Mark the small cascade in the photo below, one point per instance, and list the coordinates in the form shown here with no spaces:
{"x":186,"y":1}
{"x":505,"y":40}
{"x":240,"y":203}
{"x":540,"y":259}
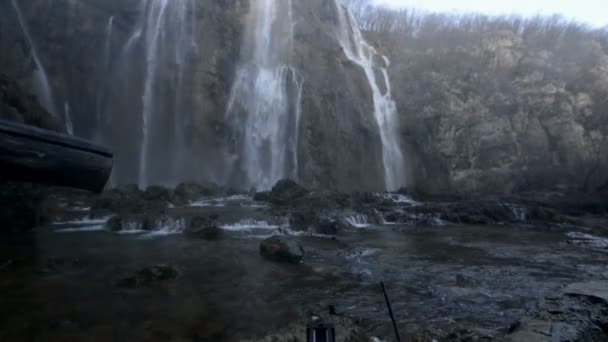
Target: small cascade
{"x":41,"y":80}
{"x":357,"y":221}
{"x":69,"y":125}
{"x":375,"y":66}
{"x":265,"y":98}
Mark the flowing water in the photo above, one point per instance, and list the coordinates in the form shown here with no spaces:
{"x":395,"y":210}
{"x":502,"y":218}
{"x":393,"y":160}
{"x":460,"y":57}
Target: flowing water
{"x":63,"y":279}
{"x":154,"y":24}
{"x":264,"y":108}
{"x":69,"y":125}
{"x":103,"y":78}
{"x":42,"y":86}
{"x":375,"y":66}
{"x":151,"y":67}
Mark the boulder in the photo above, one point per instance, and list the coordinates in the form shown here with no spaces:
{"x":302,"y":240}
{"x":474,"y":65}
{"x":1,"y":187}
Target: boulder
{"x":328,"y":226}
{"x":282,"y":249}
{"x":187,"y":192}
{"x":204,"y":227}
{"x":149,"y":276}
{"x":128,"y":200}
{"x":286,"y":191}
{"x":114,"y":224}
{"x":157,"y":193}
{"x":303,"y":220}
{"x":262,"y":196}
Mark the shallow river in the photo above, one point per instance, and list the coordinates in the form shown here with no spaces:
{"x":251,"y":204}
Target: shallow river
{"x":61,"y":285}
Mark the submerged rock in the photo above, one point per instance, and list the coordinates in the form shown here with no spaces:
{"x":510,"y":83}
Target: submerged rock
{"x":204,"y":227}
{"x":282,"y":249}
{"x":149,"y":276}
{"x":286,"y":191}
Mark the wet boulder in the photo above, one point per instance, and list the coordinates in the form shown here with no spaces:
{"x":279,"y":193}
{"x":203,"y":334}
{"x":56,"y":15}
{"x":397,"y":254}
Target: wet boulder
{"x":114,"y":224}
{"x":262,"y":196}
{"x":286,"y":191}
{"x":149,"y":276}
{"x":129,"y":199}
{"x":157,"y":193}
{"x":303,"y":220}
{"x":327,"y":226}
{"x":125,"y":198}
{"x":204,"y":227}
{"x":187,"y":192}
{"x":282,"y":249}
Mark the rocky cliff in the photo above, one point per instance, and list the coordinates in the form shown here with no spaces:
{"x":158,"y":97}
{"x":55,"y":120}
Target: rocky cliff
{"x":500,"y":105}
{"x":485,"y":105}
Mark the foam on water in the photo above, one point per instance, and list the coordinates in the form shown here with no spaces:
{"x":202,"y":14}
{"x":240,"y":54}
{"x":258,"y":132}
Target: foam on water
{"x":167,"y":227}
{"x":241,"y":200}
{"x":248,"y":225}
{"x":84,"y":222}
{"x":398,"y":198}
{"x":95,"y":228}
{"x":587,"y":240}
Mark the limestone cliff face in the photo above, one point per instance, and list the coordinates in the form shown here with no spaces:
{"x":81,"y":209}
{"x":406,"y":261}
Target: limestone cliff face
{"x":501,"y":113}
{"x":493,"y":110}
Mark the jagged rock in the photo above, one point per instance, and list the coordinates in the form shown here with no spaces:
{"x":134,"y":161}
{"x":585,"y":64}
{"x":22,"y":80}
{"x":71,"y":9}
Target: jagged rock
{"x":187,"y":192}
{"x":282,"y":249}
{"x":204,"y":227}
{"x":303,"y":220}
{"x":328,"y":226}
{"x":286,"y":191}
{"x":128,"y":199}
{"x":157,"y":193}
{"x":150,"y":276}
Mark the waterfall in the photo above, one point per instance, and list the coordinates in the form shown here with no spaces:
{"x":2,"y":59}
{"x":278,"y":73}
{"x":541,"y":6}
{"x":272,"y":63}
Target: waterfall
{"x":375,"y":66}
{"x":69,"y":126}
{"x":105,"y":69}
{"x":162,"y":39}
{"x":262,"y":97}
{"x":41,"y":80}
{"x":154,"y":24}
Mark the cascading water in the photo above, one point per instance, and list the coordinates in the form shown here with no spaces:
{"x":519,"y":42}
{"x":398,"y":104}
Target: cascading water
{"x":163,"y":38}
{"x":265,"y":97}
{"x":41,"y":80}
{"x":372,"y":62}
{"x":153,"y":24}
{"x":69,"y":125}
{"x":105,"y":69}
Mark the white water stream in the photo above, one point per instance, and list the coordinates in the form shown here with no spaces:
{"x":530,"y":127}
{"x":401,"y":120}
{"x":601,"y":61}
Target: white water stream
{"x":375,"y":66}
{"x":41,"y":79}
{"x":263,"y":99}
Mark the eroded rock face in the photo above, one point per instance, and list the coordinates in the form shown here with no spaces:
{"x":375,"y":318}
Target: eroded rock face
{"x":480,"y":111}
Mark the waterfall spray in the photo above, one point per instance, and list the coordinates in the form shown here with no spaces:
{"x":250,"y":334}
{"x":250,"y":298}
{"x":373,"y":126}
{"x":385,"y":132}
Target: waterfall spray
{"x":371,"y":61}
{"x":42,"y":85}
{"x":260,"y":97}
